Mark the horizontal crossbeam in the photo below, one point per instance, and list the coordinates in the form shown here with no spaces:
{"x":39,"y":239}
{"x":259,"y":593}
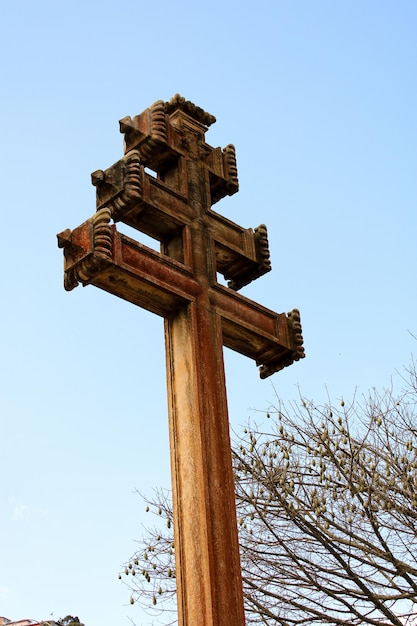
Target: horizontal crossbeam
{"x":162,"y":285}
{"x":162,"y":210}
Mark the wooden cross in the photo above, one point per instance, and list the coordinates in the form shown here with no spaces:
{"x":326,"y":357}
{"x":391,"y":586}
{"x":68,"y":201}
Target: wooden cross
{"x":180,"y":284}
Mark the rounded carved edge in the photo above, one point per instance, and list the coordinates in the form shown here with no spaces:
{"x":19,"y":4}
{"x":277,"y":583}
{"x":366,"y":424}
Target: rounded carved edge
{"x":148,"y":143}
{"x":263,"y":258}
{"x":102,"y":233}
{"x":262,"y":248}
{"x":297,"y":353}
{"x":132,"y":185}
{"x":230,"y":166}
{"x":158,"y":122}
{"x":296,"y":334}
{"x":70,"y":280}
{"x":101,"y":252}
{"x":267,"y":369}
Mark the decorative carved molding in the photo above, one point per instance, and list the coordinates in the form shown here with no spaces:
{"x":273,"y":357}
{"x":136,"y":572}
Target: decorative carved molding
{"x":294,"y":321}
{"x":158,"y":122}
{"x":102,"y":234}
{"x":92,"y":261}
{"x":262,"y":249}
{"x":132,"y":188}
{"x":158,"y":137}
{"x":294,"y":327}
{"x":70,"y":280}
{"x":263,"y":259}
{"x":121,"y":194}
{"x":230,"y":169}
{"x":268,"y":369}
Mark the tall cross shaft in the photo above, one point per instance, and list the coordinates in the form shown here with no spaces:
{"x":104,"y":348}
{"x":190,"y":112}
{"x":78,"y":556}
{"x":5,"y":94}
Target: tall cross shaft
{"x":201,"y":316}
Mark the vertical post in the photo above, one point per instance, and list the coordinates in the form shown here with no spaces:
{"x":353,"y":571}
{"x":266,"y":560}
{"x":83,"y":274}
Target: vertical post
{"x":209,"y":585}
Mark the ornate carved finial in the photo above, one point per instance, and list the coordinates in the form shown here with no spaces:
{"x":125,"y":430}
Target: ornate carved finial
{"x":179,"y":103}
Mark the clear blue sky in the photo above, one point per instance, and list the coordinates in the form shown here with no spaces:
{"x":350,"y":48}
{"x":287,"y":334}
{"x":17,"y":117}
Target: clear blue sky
{"x":319,"y":98}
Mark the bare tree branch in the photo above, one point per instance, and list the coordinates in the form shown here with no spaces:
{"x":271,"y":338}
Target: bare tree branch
{"x":326,"y":500}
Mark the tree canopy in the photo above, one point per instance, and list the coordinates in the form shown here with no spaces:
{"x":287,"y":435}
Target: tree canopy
{"x":326,"y":500}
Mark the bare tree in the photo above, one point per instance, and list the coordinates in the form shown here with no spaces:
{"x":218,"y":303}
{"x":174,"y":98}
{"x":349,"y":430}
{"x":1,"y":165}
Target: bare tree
{"x":326,"y":499}
{"x":69,"y":620}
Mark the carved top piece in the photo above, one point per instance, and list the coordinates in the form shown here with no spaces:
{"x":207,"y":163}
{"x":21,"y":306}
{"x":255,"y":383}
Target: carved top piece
{"x":161,"y":133}
{"x":166,"y":135}
{"x":179,"y":103}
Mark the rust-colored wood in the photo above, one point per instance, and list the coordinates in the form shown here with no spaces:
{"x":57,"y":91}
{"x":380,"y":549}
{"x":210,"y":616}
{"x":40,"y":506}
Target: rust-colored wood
{"x":180,"y":284}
